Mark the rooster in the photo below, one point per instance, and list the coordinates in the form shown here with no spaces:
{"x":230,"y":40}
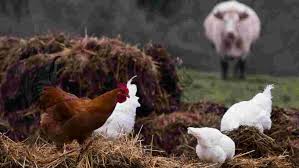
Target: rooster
{"x":122,"y":120}
{"x":65,"y":117}
{"x":255,"y":112}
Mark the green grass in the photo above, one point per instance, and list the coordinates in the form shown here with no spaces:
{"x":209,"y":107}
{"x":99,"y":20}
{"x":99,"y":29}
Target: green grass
{"x":208,"y":86}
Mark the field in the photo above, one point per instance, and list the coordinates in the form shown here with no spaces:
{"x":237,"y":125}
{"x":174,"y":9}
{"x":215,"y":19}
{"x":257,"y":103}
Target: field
{"x":208,"y":86}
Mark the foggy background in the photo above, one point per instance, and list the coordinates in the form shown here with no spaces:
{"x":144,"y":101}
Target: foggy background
{"x":174,"y":23}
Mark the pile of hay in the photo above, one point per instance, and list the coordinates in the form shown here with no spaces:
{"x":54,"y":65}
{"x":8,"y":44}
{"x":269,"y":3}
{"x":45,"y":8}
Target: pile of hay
{"x":87,"y":67}
{"x":8,"y":46}
{"x":169,"y":76}
{"x":169,"y":133}
{"x":260,"y":144}
{"x":163,"y":142}
{"x":204,"y":107}
{"x":285,"y":130}
{"x":124,"y":153}
{"x":270,"y":161}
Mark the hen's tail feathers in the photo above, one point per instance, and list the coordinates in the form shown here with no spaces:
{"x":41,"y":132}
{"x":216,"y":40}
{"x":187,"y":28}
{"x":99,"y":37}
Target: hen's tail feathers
{"x":132,"y":87}
{"x":267,"y":90}
{"x":46,"y":76}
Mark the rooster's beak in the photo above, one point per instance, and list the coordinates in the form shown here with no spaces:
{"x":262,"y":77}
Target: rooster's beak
{"x":128,"y":96}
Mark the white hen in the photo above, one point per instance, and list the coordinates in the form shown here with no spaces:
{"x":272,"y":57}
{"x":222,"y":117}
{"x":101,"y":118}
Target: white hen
{"x":122,"y":119}
{"x":255,"y":112}
{"x":212,"y":145}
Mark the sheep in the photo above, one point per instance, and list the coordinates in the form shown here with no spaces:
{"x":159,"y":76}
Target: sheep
{"x":232,"y":27}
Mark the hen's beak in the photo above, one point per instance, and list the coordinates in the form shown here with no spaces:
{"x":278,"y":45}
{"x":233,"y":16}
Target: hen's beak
{"x":128,"y":96}
{"x":190,"y":130}
{"x":193,"y":132}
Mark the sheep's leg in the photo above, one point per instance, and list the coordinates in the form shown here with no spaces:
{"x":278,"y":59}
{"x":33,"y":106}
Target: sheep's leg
{"x":242,"y":68}
{"x":224,"y":68}
{"x":236,"y":69}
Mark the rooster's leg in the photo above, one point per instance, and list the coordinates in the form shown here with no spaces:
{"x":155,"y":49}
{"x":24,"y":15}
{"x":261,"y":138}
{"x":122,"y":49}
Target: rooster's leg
{"x":84,"y":146}
{"x":60,"y":147}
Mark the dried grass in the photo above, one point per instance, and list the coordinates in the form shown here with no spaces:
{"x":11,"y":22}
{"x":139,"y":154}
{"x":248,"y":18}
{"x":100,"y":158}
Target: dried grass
{"x":168,"y":133}
{"x":250,"y":139}
{"x":270,"y":161}
{"x":165,"y":144}
{"x":123,"y":153}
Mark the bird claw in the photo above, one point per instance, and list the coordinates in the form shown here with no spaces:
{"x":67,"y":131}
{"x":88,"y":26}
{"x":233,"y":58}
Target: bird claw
{"x":83,"y":149}
{"x":66,"y":149}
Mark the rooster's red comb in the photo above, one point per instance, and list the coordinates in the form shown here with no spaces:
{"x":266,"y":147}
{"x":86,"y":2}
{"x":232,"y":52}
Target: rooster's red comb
{"x":122,"y":86}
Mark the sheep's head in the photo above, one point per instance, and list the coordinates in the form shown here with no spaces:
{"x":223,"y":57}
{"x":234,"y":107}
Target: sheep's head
{"x":231,"y":20}
{"x":234,"y":15}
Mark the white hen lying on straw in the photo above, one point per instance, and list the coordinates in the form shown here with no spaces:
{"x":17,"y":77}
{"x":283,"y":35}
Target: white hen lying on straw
{"x":255,"y":112}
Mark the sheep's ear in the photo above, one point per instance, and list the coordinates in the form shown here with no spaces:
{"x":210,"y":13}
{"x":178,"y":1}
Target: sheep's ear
{"x":218,"y":15}
{"x":243,"y":15}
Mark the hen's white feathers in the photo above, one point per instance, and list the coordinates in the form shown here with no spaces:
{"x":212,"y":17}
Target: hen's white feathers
{"x":213,"y":146}
{"x":267,"y":90}
{"x":255,"y":112}
{"x":122,"y":119}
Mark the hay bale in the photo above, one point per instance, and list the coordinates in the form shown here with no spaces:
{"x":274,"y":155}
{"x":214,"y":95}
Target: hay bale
{"x":88,"y":67}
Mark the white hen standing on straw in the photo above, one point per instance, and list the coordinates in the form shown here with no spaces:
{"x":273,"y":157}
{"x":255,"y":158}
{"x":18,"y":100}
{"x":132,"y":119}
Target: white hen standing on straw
{"x":255,"y":112}
{"x":122,"y":120}
{"x":212,"y":145}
